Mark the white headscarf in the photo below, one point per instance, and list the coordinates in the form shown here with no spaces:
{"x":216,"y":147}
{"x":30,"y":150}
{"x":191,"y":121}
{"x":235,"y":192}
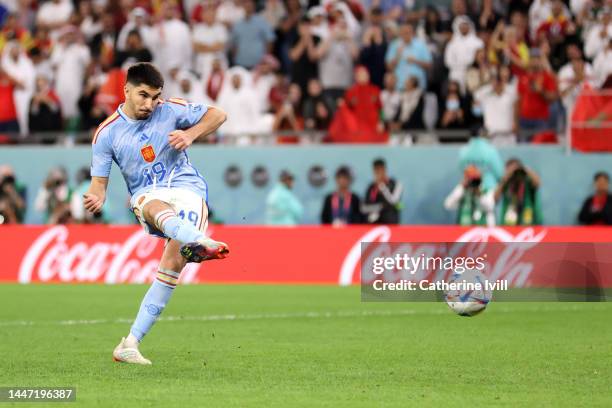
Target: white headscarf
{"x":24,"y":72}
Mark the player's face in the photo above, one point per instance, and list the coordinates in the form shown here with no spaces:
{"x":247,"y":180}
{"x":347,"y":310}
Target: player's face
{"x":142,"y":100}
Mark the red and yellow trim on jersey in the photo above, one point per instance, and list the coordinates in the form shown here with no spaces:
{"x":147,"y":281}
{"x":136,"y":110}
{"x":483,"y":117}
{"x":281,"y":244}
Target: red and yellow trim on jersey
{"x":179,"y":101}
{"x":104,"y":124}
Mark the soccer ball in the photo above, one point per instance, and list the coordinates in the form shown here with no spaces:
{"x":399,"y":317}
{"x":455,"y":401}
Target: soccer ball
{"x":468,"y":301}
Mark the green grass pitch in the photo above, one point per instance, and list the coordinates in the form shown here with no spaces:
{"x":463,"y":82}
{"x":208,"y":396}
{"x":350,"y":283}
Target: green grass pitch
{"x":304,"y":346}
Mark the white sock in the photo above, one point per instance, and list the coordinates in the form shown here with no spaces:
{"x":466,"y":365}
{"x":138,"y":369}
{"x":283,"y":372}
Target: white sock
{"x":131,"y":341}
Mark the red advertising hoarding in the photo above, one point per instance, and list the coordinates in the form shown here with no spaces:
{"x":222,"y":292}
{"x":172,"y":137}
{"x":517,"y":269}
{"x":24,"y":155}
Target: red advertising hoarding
{"x":314,"y":255}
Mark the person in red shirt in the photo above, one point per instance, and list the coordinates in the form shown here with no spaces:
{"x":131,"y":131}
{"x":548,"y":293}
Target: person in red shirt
{"x":597,"y":209}
{"x":358,"y":119}
{"x":537,"y":89}
{"x":8,"y":114}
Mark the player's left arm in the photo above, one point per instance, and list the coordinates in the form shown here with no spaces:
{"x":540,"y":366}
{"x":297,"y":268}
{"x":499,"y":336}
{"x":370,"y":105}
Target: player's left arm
{"x":208,"y":123}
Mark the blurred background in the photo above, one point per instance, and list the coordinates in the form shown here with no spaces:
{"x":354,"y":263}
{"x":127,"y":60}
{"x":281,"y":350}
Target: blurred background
{"x":466,"y":112}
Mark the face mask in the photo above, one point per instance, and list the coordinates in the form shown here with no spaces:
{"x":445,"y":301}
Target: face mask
{"x":452,"y":104}
{"x":476,"y":110}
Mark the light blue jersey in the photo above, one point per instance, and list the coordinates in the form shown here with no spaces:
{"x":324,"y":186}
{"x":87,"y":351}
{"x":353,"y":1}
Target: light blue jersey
{"x":141,"y":149}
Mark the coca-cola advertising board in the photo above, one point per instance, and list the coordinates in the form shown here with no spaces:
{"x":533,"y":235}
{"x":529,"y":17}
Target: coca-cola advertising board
{"x":308,"y":254}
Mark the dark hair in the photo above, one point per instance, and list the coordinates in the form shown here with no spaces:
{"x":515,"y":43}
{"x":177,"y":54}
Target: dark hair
{"x":344,"y":171}
{"x":513,"y":160}
{"x":145,"y":73}
{"x":134,"y":32}
{"x":601,"y":174}
{"x":380,"y":162}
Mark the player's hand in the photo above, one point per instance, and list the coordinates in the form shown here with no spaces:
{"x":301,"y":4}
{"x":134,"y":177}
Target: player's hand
{"x":92,"y":203}
{"x":180,"y":140}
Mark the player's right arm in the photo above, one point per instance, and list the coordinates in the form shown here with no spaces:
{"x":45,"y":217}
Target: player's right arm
{"x":102,"y":159}
{"x":93,"y":199}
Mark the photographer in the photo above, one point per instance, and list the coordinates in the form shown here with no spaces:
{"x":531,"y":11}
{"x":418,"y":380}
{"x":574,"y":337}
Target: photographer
{"x":54,"y":197}
{"x":474,"y":204}
{"x":597,"y":208}
{"x":12,"y":197}
{"x":77,"y":208}
{"x":518,"y":192}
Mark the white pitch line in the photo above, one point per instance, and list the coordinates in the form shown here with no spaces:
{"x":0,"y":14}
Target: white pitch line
{"x":311,"y":315}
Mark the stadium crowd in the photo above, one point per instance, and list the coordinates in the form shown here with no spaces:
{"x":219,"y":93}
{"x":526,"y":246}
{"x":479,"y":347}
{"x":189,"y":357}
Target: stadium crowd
{"x":351,"y":70}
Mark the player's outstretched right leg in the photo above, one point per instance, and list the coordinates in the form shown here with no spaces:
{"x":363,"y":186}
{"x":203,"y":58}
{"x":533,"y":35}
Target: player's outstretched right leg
{"x":204,"y":249}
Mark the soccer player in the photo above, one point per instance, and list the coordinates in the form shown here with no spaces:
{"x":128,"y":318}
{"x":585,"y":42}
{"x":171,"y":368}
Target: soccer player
{"x":148,"y":138}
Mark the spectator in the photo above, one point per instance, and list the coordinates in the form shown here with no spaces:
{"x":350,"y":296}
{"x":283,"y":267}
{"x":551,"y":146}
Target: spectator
{"x":555,"y":29}
{"x":536,"y":91}
{"x":190,"y":87}
{"x":408,"y":56}
{"x":302,"y":55}
{"x":70,"y":58}
{"x":318,"y":22}
{"x":53,"y":197}
{"x":597,"y":209}
{"x":289,"y":115}
{"x":374,"y":47}
{"x":54,"y":14}
{"x":214,"y":84}
{"x":497,"y":102}
{"x":455,"y":115}
{"x":45,"y":113}
{"x":16,"y":63}
{"x":572,"y":76}
{"x":42,"y":64}
{"x":461,"y":50}
{"x":172,"y":39}
{"x":282,"y":205}
{"x":342,"y":207}
{"x":336,"y":55}
{"x":252,"y":37}
{"x":508,"y":48}
{"x":230,"y":12}
{"x":602,"y":67}
{"x":410,"y":113}
{"x":90,"y":21}
{"x":102,"y":45}
{"x":598,"y":36}
{"x":264,"y":78}
{"x":382,"y":201}
{"x":358,"y":119}
{"x":12,"y":197}
{"x":317,"y":108}
{"x":518,"y":192}
{"x":8,"y":113}
{"x":77,"y":209}
{"x":137,"y":21}
{"x":391,"y":99}
{"x":286,"y":29}
{"x":238,"y":99}
{"x":12,"y":30}
{"x":135,"y":51}
{"x":475,"y":204}
{"x":479,"y":74}
{"x":210,"y":39}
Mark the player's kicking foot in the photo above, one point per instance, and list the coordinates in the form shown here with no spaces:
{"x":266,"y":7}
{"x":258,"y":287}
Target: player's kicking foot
{"x":204,"y":250}
{"x":130,"y":355}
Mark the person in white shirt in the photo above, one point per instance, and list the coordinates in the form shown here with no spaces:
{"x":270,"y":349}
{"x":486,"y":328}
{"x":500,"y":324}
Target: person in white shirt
{"x":172,"y":39}
{"x":70,"y":58}
{"x":497,"y":101}
{"x":602,"y":66}
{"x":209,"y":42}
{"x":598,"y":35}
{"x":138,"y":20}
{"x":461,"y":50}
{"x":230,"y":12}
{"x":54,"y":14}
{"x":18,"y":65}
{"x":572,"y":76}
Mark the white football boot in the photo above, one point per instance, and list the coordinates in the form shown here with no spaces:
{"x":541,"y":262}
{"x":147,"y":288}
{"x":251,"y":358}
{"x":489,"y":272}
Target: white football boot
{"x":130,"y":355}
